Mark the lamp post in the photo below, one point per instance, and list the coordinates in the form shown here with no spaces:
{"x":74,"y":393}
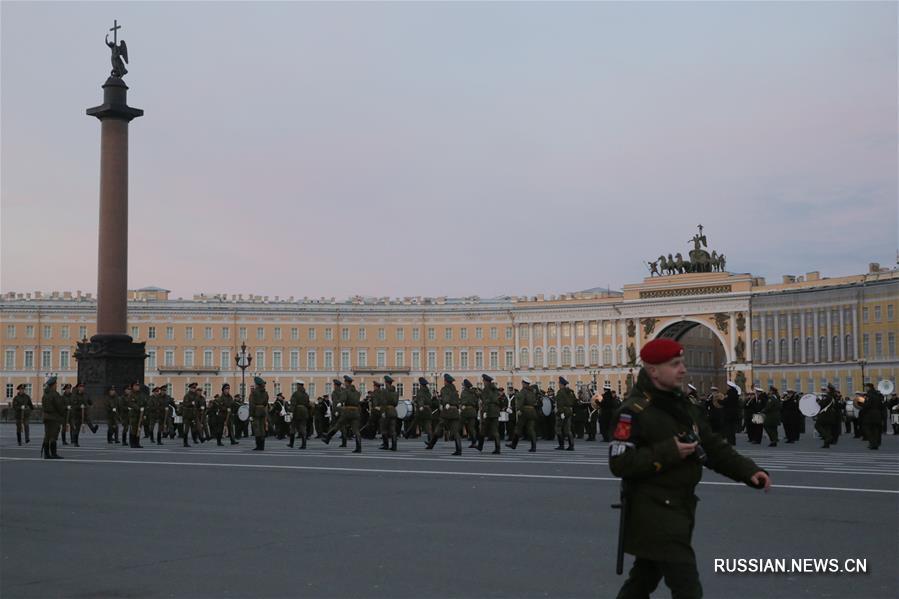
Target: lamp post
{"x":436,"y":385}
{"x":593,"y":372}
{"x":243,"y":360}
{"x":862,"y":364}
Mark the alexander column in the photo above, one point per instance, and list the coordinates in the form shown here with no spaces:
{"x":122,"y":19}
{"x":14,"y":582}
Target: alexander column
{"x":111,"y":357}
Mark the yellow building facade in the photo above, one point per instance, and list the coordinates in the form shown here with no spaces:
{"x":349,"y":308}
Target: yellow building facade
{"x":801,"y":333}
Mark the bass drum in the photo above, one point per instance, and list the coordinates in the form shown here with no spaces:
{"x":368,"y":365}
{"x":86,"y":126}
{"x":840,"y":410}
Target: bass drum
{"x":547,"y":407}
{"x":808,"y":405}
{"x":243,"y":412}
{"x":404,"y":409}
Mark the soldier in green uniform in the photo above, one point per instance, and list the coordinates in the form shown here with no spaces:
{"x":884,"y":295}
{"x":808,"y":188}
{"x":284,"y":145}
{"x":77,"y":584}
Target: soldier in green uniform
{"x":54,"y":409}
{"x":151,"y":412}
{"x":259,"y":412}
{"x":200,"y":421}
{"x":22,"y":406}
{"x":78,"y":415}
{"x":377,"y":405}
{"x":166,"y":409}
{"x":470,"y":405}
{"x":390,"y":400}
{"x":526,"y":408}
{"x":124,"y":412}
{"x":826,"y":417}
{"x":660,"y":444}
{"x":772,"y":416}
{"x":227,"y":407}
{"x":137,"y":414}
{"x":565,"y":402}
{"x":189,"y":413}
{"x":300,"y":408}
{"x":449,"y":415}
{"x":870,"y":416}
{"x":347,"y":403}
{"x":422,"y":402}
{"x":112,"y":415}
{"x":490,"y":409}
{"x":67,"y":402}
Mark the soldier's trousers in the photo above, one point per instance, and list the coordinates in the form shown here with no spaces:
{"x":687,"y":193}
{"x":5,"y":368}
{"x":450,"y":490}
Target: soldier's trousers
{"x":771,"y":431}
{"x":51,"y":432}
{"x":563,"y":429}
{"x":299,"y":426}
{"x":348,"y":420}
{"x":425,"y":426}
{"x":453,"y":427}
{"x":388,"y":429}
{"x":825,"y":429}
{"x":873,"y":432}
{"x":22,"y":427}
{"x":729,"y":432}
{"x":682,"y":578}
{"x":471,"y":426}
{"x":489,"y":430}
{"x":527,"y":425}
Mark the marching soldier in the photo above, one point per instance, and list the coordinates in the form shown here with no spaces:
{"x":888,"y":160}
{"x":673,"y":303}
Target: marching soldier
{"x":828,"y":414}
{"x":139,"y":402}
{"x":150,"y":413}
{"x":54,"y":409}
{"x":731,"y":413}
{"x":376,"y":406}
{"x":321,"y":417}
{"x":870,"y":416}
{"x":299,"y":405}
{"x":79,"y":415}
{"x":164,"y":415}
{"x":189,"y":413}
{"x":565,"y":401}
{"x":228,"y":407}
{"x":469,"y":402}
{"x":504,"y":413}
{"x":278,"y":413}
{"x":791,"y":415}
{"x":67,"y":401}
{"x":200,"y":421}
{"x":390,"y":402}
{"x":771,"y":412}
{"x":124,"y":412}
{"x":259,"y":410}
{"x":527,"y":416}
{"x":581,"y":412}
{"x":449,"y":415}
{"x":112,"y":415}
{"x":607,"y":406}
{"x":423,"y":414}
{"x":660,"y":443}
{"x":491,"y":407}
{"x":22,"y":406}
{"x":347,"y":402}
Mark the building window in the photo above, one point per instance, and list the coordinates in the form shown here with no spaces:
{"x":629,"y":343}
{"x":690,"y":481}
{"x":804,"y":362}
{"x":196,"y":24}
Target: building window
{"x":756,"y":351}
{"x":226,"y":359}
{"x":64,"y":332}
{"x":878,"y":345}
{"x":432,"y":360}
{"x":463,"y":333}
{"x":11,"y":331}
{"x":207,"y":389}
{"x":835,"y":347}
{"x":260,"y":359}
{"x":478,"y":333}
{"x":46,"y":360}
{"x":260,"y":333}
{"x":294,"y":360}
{"x":865,"y":315}
{"x":329,"y":334}
{"x":169,"y":357}
{"x":416,"y":334}
{"x":432,"y":335}
{"x":594,"y":355}
{"x":566,"y":356}
{"x":797,"y":349}
{"x":538,"y":357}
{"x":769,"y":351}
{"x":416,"y":360}
{"x":344,"y":333}
{"x":523,"y":332}
{"x":207,"y":359}
{"x":494,"y":360}
{"x":579,"y":356}
{"x":551,"y":331}
{"x":382,"y":333}
{"x":850,"y":350}
{"x":277,"y":333}
{"x":48,"y":331}
{"x":345,"y":360}
{"x":381,"y":359}
{"x":509,"y":333}
{"x":361,"y":334}
{"x":362,"y":359}
{"x":822,"y":349}
{"x":189,"y":357}
{"x":29,"y":331}
{"x":10,"y":390}
{"x":170,"y":332}
{"x":523,"y":358}
{"x":809,"y":349}
{"x":400,"y":359}
{"x":295,"y":333}
{"x":82,"y":332}
{"x":877,"y":313}
{"x":607,"y":354}
{"x":494,"y":333}
{"x":207,"y":333}
{"x":566,"y":329}
{"x":9,"y":359}
{"x":579,"y":329}
{"x":276,"y":360}
{"x":552,"y":358}
{"x":448,"y":333}
{"x":64,"y":359}
{"x":448,"y":360}
{"x":329,"y":360}
{"x":891,"y":345}
{"x":479,"y":360}
{"x":151,"y":332}
{"x":29,"y":359}
{"x":400,"y":334}
{"x":151,"y":359}
{"x":463,"y":360}
{"x":226,"y":333}
{"x":189,"y":333}
{"x":890,"y":312}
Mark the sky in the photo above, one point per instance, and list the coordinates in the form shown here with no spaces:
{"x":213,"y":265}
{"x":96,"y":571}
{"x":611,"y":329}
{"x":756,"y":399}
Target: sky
{"x":395,"y":149}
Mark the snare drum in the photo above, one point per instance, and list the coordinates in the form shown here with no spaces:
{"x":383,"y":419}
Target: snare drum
{"x":894,"y":418}
{"x":547,"y":407}
{"x":288,"y":417}
{"x":758,"y":419}
{"x":179,"y":419}
{"x":504,"y":416}
{"x":404,"y":409}
{"x":243,"y":412}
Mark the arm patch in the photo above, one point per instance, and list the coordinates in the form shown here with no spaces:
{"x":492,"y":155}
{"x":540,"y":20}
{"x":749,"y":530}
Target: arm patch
{"x":623,"y":428}
{"x":617,"y":448}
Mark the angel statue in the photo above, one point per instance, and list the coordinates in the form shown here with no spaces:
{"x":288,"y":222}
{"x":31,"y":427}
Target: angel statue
{"x":119,"y":57}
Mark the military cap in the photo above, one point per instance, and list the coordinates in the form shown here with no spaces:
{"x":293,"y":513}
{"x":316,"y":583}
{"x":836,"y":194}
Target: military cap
{"x":79,"y":384}
{"x":377,"y":383}
{"x":607,"y":386}
{"x":466,"y":383}
{"x":51,"y":381}
{"x":226,"y":386}
{"x":487,"y":378}
{"x":258,"y":381}
{"x":388,"y":379}
{"x":422,"y":381}
{"x":281,"y":395}
{"x":347,"y":378}
{"x":659,"y":351}
{"x":20,"y":386}
{"x":525,"y":381}
{"x":713,"y":388}
{"x":337,"y":382}
{"x":562,"y":380}
{"x":301,"y":383}
{"x":67,"y":386}
{"x":448,"y":378}
{"x":192,"y":385}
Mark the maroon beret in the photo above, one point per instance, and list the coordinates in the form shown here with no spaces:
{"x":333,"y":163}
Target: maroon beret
{"x":659,"y":351}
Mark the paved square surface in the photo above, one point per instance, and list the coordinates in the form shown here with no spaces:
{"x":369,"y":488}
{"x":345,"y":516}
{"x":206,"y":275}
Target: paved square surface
{"x":207,"y":521}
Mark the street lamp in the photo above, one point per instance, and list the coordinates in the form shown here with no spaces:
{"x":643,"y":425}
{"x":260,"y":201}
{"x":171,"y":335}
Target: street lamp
{"x":243,"y":360}
{"x":593,"y":372}
{"x":436,"y":384}
{"x":862,"y":364}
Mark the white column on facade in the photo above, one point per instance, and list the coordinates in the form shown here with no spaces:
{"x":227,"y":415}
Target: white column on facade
{"x":789,"y":335}
{"x":802,"y":341}
{"x":637,"y":338}
{"x":829,"y":343}
{"x":816,"y":345}
{"x":614,"y":342}
{"x":777,"y":356}
{"x":587,"y":343}
{"x":516,"y":357}
{"x":573,"y":330}
{"x":545,"y":326}
{"x":855,"y":335}
{"x":600,"y":339}
{"x":764,"y":339}
{"x":530,"y":345}
{"x":732,"y":350}
{"x":558,"y":343}
{"x":843,"y":336}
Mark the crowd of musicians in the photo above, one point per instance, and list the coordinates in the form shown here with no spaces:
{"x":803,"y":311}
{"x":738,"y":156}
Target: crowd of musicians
{"x":478,"y":413}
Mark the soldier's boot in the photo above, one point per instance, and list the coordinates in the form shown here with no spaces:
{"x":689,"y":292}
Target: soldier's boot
{"x":218,"y":441}
{"x":45,"y":450}
{"x":109,"y":435}
{"x":514,"y":442}
{"x":262,"y":444}
{"x":458,"y":447}
{"x":570,"y":443}
{"x":64,"y":442}
{"x":429,"y":444}
{"x":533,"y":448}
{"x":393,"y":443}
{"x":303,"y":437}
{"x":473,"y":441}
{"x":561,"y":443}
{"x":137,"y":444}
{"x":481,"y":444}
{"x":358,"y":445}
{"x":342,"y":440}
{"x":94,"y":428}
{"x":496,"y":449}
{"x":124,"y":438}
{"x":19,"y":437}
{"x":75,"y":439}
{"x":27,"y":437}
{"x":233,"y":441}
{"x":53,"y":454}
{"x":291,"y":438}
{"x":186,"y":444}
{"x":384,"y":442}
{"x":326,"y":439}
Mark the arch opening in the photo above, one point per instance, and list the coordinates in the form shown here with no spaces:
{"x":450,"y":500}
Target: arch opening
{"x":704,"y":354}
